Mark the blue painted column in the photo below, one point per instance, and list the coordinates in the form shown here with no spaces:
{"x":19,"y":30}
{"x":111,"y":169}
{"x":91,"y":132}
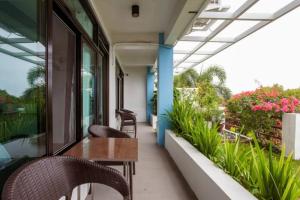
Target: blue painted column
{"x":150,"y":89}
{"x":165,"y":88}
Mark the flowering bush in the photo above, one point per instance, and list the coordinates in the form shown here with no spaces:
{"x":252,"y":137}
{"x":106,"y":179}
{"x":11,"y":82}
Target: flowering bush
{"x":261,"y":111}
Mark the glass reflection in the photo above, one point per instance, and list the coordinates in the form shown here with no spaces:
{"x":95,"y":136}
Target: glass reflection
{"x":22,"y":81}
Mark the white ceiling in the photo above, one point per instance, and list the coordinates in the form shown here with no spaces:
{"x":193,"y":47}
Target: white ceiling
{"x":168,"y":16}
{"x":155,"y":16}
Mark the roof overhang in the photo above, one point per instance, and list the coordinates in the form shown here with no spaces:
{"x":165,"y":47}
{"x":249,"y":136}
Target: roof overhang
{"x":221,"y":25}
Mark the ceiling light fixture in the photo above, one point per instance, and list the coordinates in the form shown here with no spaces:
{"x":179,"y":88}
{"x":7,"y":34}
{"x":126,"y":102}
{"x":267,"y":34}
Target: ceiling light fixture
{"x":135,"y":10}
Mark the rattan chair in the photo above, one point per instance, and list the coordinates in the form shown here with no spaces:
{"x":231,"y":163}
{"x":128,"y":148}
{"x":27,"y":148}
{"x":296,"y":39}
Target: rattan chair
{"x":127,"y":119}
{"x":105,"y":131}
{"x":51,"y":178}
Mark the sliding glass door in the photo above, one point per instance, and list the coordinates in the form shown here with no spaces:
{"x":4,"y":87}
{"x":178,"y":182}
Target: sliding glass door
{"x":88,"y":82}
{"x":63,"y":85}
{"x":99,"y":74}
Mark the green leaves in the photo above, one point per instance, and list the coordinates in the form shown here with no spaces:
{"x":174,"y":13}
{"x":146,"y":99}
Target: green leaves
{"x":190,"y":124}
{"x":204,"y":138}
{"x":275,"y":178}
{"x":267,"y":176}
{"x":233,"y":159}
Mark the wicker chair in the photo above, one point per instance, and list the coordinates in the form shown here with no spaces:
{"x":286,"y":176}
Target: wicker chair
{"x":105,"y":131}
{"x":127,"y":119}
{"x":51,"y":178}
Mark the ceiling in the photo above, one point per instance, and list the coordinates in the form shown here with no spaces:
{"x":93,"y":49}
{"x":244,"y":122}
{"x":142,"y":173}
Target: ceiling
{"x":155,"y":16}
{"x":135,"y":39}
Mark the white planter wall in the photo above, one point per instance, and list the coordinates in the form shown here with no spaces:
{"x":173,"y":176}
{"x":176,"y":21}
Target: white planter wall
{"x":291,"y":134}
{"x":206,"y":180}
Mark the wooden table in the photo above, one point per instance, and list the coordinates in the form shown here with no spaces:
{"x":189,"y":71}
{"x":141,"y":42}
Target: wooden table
{"x":124,"y":150}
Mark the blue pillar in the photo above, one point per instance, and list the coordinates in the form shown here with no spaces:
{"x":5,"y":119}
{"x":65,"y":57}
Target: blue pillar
{"x":150,"y":88}
{"x":165,"y":88}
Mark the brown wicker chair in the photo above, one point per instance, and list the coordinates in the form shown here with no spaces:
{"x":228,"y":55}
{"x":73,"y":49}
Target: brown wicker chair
{"x":51,"y":178}
{"x":127,"y":119}
{"x":105,"y":131}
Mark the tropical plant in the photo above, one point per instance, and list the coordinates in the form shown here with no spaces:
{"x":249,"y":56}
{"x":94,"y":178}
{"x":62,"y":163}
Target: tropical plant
{"x":275,"y":177}
{"x":188,"y":79}
{"x":208,"y":101}
{"x":181,"y":116}
{"x":233,"y":159}
{"x":206,"y":139}
{"x":215,"y":75}
{"x":189,"y":123}
{"x":154,"y":103}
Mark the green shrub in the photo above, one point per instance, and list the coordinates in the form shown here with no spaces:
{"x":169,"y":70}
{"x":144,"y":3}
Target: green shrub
{"x":275,"y":177}
{"x":233,"y":159}
{"x":206,"y":139}
{"x":181,"y":116}
{"x":208,"y":101}
{"x":190,"y":124}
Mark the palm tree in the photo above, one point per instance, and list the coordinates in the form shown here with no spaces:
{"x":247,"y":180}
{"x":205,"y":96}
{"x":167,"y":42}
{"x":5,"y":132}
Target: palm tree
{"x":36,"y":80}
{"x":214,"y":75}
{"x":188,"y":79}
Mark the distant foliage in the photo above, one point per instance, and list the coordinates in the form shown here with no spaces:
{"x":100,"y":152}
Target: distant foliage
{"x":214,"y":75}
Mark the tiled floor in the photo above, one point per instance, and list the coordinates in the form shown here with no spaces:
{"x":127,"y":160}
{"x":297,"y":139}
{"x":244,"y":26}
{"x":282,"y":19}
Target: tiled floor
{"x":157,"y":177}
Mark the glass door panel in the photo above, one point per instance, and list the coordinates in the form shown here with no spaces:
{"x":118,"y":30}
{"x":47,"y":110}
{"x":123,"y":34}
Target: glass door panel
{"x":88,"y":87}
{"x":100,"y":89}
{"x":63,"y":85}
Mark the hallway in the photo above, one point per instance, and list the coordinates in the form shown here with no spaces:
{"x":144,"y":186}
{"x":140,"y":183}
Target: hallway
{"x":157,"y":177}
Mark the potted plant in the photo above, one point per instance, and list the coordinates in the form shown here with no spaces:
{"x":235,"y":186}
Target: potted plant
{"x":154,"y":110}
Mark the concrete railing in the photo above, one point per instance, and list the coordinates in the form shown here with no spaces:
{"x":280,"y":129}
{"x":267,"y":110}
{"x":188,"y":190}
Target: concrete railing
{"x":204,"y":177}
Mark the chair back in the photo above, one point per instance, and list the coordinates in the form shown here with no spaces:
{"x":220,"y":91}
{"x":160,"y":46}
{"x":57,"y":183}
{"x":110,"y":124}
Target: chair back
{"x":55,"y":177}
{"x":105,"y":131}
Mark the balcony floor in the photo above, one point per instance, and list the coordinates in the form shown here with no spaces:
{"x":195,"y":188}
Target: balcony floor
{"x":157,"y":176}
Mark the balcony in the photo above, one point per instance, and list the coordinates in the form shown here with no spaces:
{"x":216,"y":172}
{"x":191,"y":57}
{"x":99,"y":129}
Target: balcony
{"x":68,"y":64}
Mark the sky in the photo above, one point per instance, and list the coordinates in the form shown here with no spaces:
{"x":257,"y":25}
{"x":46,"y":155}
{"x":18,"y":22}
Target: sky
{"x":268,"y":56}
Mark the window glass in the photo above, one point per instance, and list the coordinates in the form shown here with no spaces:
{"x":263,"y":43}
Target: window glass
{"x":88,"y":87}
{"x":80,"y":14}
{"x":100,"y":88}
{"x":22,"y":83}
{"x":63,"y":85}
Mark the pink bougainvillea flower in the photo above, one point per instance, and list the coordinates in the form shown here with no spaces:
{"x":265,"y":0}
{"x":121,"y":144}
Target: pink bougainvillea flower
{"x":285,"y":109}
{"x":284,"y":101}
{"x":295,"y":101}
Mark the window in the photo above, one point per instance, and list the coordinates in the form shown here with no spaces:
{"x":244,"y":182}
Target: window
{"x":119,"y":87}
{"x":22,"y":83}
{"x":88,"y":87}
{"x":81,"y":16}
{"x":100,"y":119}
{"x":63,"y":85}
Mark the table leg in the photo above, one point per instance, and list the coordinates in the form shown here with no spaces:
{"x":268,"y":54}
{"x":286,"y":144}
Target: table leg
{"x":130,"y":180}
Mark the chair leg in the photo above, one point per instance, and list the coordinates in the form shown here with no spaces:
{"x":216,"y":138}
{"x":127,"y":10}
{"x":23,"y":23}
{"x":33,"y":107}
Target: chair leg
{"x":133,"y":168}
{"x":124,"y":169}
{"x":135,"y":131}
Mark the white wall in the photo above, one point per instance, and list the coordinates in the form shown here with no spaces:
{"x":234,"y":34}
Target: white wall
{"x":135,"y":91}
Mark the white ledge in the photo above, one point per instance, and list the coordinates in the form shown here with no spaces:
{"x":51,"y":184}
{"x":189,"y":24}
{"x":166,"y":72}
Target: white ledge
{"x":206,"y":179}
